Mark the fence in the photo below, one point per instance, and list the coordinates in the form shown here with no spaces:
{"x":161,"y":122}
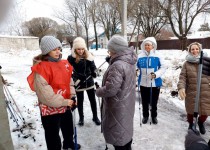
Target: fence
{"x":175,"y":44}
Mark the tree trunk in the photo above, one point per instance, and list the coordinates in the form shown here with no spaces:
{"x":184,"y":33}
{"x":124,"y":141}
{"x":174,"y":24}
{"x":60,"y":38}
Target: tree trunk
{"x":183,"y":43}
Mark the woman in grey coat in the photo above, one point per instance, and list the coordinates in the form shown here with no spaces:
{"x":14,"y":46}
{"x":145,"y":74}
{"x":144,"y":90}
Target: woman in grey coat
{"x":118,"y":94}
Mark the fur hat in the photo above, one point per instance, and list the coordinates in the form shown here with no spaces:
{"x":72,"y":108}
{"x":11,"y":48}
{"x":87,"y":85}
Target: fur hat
{"x":79,"y":42}
{"x":149,"y":40}
{"x":117,"y":43}
{"x":49,"y":43}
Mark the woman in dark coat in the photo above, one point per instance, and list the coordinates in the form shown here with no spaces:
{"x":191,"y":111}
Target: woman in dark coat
{"x":83,"y":73}
{"x":118,"y":94}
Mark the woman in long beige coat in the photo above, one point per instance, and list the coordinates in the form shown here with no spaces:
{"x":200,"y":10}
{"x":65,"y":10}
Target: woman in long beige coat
{"x":187,"y":87}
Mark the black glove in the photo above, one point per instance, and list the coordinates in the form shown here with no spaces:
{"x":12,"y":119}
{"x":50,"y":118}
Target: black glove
{"x":75,"y":106}
{"x":93,"y":74}
{"x":107,"y":58}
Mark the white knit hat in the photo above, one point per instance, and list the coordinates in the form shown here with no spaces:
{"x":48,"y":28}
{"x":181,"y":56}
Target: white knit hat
{"x":49,"y":43}
{"x":79,"y":42}
{"x":117,"y":43}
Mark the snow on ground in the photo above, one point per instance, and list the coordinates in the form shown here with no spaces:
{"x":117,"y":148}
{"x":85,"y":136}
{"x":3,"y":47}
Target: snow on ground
{"x":168,"y":134}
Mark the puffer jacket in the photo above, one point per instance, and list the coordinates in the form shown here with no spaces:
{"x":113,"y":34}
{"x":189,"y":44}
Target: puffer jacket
{"x":83,"y":71}
{"x":148,"y":63}
{"x":188,"y":81}
{"x":118,"y":95}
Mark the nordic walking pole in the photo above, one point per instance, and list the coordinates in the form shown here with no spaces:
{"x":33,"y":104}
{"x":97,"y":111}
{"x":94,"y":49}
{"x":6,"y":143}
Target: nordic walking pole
{"x":139,"y":105}
{"x":195,"y":115}
{"x":88,"y":77}
{"x":97,"y":86}
{"x":150,"y":103}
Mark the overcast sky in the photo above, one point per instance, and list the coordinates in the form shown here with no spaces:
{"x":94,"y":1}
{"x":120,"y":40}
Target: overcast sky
{"x":40,"y":8}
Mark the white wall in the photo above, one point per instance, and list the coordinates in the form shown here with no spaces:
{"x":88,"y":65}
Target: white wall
{"x":19,"y":42}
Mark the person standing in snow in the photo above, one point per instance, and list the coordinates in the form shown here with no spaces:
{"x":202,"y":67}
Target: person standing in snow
{"x":152,"y":67}
{"x":187,"y":87}
{"x":51,"y":80}
{"x":83,"y":73}
{"x":118,"y":94}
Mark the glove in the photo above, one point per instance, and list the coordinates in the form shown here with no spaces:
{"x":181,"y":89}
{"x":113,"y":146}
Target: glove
{"x":93,"y":74}
{"x":182,"y":93}
{"x":107,"y":59}
{"x":152,"y":75}
{"x":75,"y":105}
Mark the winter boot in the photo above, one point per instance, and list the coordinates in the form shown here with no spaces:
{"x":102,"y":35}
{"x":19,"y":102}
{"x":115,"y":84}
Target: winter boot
{"x":154,"y":120}
{"x":81,"y":122}
{"x":144,"y":120}
{"x":201,"y":127}
{"x":190,"y":126}
{"x":97,"y":121}
{"x":73,"y":147}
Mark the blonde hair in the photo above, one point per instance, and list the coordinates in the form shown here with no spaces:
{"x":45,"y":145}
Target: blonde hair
{"x":78,"y":57}
{"x":194,"y":43}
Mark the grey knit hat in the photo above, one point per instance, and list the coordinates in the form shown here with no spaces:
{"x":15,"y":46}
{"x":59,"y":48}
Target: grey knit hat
{"x":117,"y":43}
{"x":49,"y":43}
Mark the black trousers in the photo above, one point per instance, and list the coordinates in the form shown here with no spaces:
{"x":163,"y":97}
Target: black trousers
{"x":125,"y":147}
{"x":52,"y":125}
{"x":145,"y":95}
{"x":92,"y":99}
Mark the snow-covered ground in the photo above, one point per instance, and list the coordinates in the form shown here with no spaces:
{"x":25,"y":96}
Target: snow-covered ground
{"x":168,"y":134}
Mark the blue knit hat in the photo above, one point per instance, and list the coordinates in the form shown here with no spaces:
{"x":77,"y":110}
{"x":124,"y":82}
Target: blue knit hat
{"x":49,"y":43}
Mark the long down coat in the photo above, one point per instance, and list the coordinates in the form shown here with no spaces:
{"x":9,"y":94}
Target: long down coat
{"x":118,"y":98}
{"x":188,"y":81}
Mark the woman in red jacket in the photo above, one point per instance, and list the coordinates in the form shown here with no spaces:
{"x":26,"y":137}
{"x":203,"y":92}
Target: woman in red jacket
{"x":54,"y":87}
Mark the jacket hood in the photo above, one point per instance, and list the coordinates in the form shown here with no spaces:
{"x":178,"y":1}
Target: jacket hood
{"x":128,"y":56}
{"x":37,"y":59}
{"x":151,"y":39}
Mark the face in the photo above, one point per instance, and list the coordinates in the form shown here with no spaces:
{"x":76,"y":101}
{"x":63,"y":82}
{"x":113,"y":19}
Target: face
{"x":55,"y":53}
{"x":80,"y":51}
{"x":110,"y":53}
{"x":148,"y":47}
{"x":194,"y":50}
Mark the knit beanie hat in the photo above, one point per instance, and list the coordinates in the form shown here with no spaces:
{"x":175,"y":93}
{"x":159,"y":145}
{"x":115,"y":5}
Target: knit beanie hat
{"x":49,"y":43}
{"x":117,"y":43}
{"x":79,"y":42}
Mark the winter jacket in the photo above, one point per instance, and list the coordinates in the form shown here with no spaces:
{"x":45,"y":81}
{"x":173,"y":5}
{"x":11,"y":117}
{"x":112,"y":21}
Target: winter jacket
{"x":83,"y":71}
{"x":188,"y":81}
{"x":118,"y":95}
{"x":53,"y":85}
{"x":148,"y":63}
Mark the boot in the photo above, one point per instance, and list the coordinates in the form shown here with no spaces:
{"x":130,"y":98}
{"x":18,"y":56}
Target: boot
{"x":144,"y":120}
{"x":154,"y":120}
{"x":190,"y":126}
{"x":73,"y":147}
{"x":97,"y":121}
{"x":81,"y":122}
{"x":201,"y":127}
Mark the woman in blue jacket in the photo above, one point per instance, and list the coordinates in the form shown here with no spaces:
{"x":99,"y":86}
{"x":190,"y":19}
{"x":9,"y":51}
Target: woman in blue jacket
{"x":151,"y":68}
